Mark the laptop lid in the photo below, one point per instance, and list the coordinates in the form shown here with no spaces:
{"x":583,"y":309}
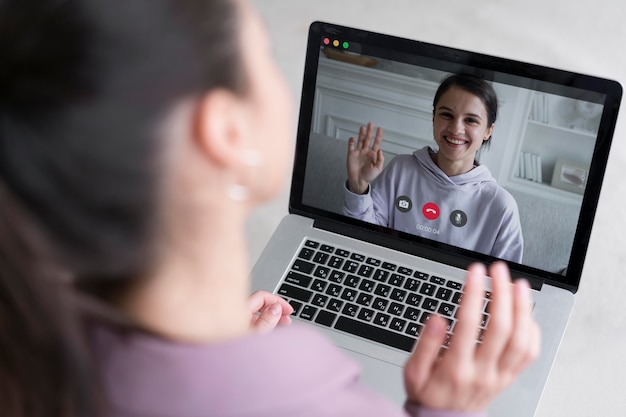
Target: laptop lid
{"x":549,"y":148}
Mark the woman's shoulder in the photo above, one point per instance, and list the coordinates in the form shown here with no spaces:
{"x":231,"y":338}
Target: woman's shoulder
{"x":279,"y":372}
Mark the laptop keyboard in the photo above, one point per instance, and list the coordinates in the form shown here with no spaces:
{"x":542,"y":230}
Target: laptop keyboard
{"x":368,"y":297}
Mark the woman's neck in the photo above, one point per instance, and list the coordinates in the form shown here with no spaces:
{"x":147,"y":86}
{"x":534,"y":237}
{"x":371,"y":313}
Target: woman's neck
{"x":200,"y":288}
{"x":451,"y":168}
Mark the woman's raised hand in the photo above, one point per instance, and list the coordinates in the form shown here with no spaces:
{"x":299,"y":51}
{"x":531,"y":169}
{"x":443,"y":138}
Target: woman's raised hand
{"x":365,"y":159}
{"x":468,"y":376}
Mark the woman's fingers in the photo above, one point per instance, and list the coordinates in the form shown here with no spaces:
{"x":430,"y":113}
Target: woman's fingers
{"x":524,"y":341}
{"x":469,"y":314}
{"x":500,"y":312}
{"x":420,"y":366}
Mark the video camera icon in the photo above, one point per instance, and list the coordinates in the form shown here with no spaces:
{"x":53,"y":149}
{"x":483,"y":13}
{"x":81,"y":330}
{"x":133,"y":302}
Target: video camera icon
{"x":404,"y":203}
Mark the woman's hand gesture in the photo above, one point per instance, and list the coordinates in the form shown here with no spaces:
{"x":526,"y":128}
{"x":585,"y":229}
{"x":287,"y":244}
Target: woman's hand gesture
{"x":468,"y":376}
{"x":365,"y":159}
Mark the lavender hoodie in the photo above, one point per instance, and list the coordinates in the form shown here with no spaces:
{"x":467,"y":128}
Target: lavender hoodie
{"x":470,"y":210}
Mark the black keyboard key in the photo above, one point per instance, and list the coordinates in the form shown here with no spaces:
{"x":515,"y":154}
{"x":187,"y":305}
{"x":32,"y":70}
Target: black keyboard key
{"x":350,"y":267}
{"x":396,"y":280}
{"x":425,"y":317}
{"x":366,"y":271}
{"x":336,"y":276}
{"x":437,"y":280}
{"x":325,"y":318}
{"x":352,"y":281}
{"x":412,"y":313}
{"x":389,"y":266}
{"x":366,"y":314}
{"x":342,"y":252}
{"x":335,"y":262}
{"x":414,"y":299}
{"x":381,"y":319}
{"x":420,"y":275}
{"x":375,"y":334}
{"x":454,"y":285}
{"x":303,"y":266}
{"x":348,"y":294}
{"x":444,"y":294}
{"x":397,"y":324}
{"x":319,"y":285}
{"x":405,"y":271}
{"x":298,"y":293}
{"x":458,"y":296}
{"x":357,"y":257}
{"x":430,"y":304}
{"x":350,"y":309}
{"x":397,"y":294}
{"x":382,"y":290}
{"x":308,"y":312}
{"x":306,"y":253}
{"x":364,"y":299}
{"x":380,"y":275}
{"x":411,"y":284}
{"x":334,"y":290}
{"x":395,"y":308}
{"x":311,"y":244}
{"x":322,"y":272}
{"x":321,"y":258}
{"x":380,"y":303}
{"x":297,"y":305}
{"x":428,"y":289}
{"x":334,"y":304}
{"x":414,"y":329}
{"x":446,"y":309}
{"x":327,"y":248}
{"x":367,"y":285}
{"x":319,"y":300}
{"x":298,"y":279}
{"x":373,"y":261}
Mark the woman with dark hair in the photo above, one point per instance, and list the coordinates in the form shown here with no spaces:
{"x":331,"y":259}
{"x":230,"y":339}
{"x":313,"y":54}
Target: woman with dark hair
{"x":442,"y":194}
{"x":135,"y":139}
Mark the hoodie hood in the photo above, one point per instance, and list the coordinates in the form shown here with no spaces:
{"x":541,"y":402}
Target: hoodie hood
{"x":480,"y":174}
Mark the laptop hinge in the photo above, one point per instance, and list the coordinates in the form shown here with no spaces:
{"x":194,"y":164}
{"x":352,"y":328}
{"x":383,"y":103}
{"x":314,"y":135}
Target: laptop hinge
{"x":457,"y":260}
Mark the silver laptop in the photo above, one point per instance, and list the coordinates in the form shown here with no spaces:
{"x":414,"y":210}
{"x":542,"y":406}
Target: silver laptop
{"x":371,"y":288}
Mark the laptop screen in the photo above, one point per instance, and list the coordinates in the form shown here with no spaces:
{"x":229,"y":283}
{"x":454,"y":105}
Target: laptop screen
{"x":532,"y":188}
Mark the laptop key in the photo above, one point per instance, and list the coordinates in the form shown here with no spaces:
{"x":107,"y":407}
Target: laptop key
{"x":326,"y":318}
{"x":298,"y":279}
{"x":376,"y":334}
{"x":306,"y":253}
{"x":297,"y":305}
{"x":303,"y":266}
{"x":290,"y":291}
{"x":308,"y":312}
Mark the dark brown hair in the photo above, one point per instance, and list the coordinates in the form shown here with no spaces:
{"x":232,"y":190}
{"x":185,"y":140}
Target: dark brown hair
{"x":84,"y":85}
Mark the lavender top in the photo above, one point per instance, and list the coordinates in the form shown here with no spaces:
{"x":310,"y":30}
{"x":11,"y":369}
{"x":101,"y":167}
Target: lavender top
{"x":292,"y":371}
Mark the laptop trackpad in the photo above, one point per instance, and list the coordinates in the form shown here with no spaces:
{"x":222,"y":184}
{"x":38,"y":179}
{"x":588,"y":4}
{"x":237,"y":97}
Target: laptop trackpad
{"x":383,"y":377}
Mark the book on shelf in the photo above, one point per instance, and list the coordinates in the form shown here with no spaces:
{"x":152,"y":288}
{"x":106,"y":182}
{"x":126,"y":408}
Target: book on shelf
{"x":529,"y":167}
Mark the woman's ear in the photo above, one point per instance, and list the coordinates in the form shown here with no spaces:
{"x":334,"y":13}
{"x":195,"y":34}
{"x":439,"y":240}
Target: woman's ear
{"x":489,"y":132}
{"x":221,"y":127}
